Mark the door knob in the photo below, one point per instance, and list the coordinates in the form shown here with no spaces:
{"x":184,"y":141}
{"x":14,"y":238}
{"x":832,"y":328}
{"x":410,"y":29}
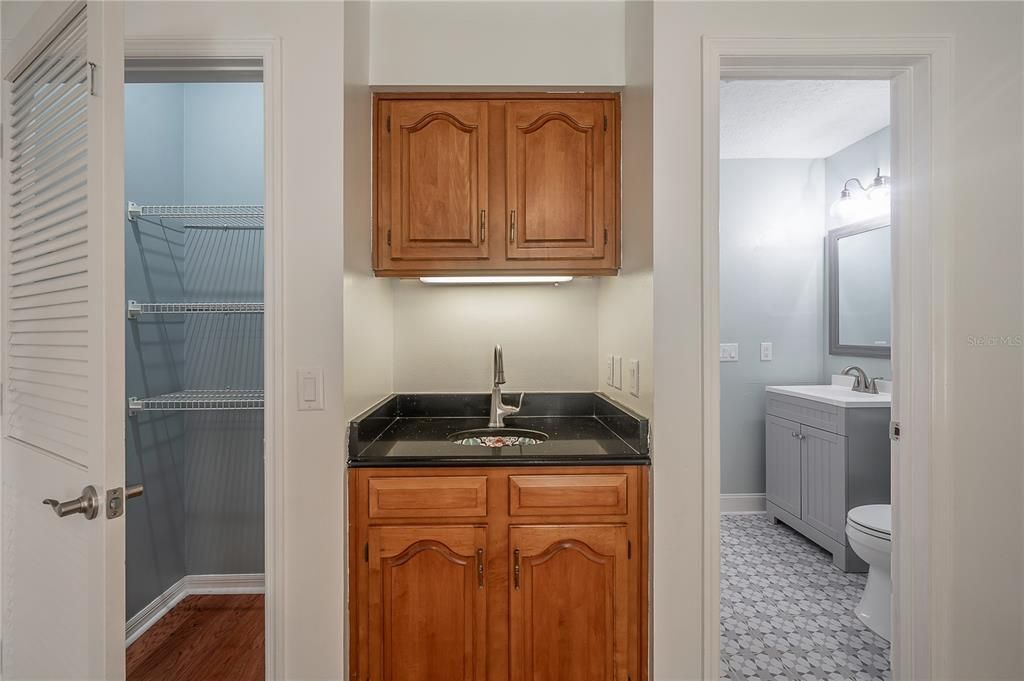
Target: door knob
{"x":88,"y":504}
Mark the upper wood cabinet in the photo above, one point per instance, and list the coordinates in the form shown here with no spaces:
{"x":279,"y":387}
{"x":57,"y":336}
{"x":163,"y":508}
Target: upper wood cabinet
{"x":477,"y":184}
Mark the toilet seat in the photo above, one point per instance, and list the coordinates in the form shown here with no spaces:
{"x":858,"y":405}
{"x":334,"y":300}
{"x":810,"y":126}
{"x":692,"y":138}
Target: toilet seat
{"x":874,"y":520}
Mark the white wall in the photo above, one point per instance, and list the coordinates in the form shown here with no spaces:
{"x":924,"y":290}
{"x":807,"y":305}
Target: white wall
{"x":978,"y":626}
{"x":368,"y":302}
{"x":497,"y":43}
{"x":311,"y":165}
{"x":771,"y":236}
{"x":625,"y":303}
{"x":444,"y":336}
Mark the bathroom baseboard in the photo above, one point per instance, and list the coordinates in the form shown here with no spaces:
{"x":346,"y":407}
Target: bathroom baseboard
{"x":742,"y":503}
{"x":187,"y":586}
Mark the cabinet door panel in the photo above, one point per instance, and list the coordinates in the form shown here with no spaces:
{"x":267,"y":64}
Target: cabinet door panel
{"x":782,"y":463}
{"x":437,"y":179}
{"x":558,"y":158}
{"x":569,"y":603}
{"x":427,"y":605}
{"x":824,"y":482}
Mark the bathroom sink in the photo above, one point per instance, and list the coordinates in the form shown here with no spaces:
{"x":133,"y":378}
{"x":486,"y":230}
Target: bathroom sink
{"x":834,"y":394}
{"x":498,"y":437}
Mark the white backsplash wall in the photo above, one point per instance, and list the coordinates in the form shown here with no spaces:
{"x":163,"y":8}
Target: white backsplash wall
{"x":445,"y":335}
{"x":771,"y":232}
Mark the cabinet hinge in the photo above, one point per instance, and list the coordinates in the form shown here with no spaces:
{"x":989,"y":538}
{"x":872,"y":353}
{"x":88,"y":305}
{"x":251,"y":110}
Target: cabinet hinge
{"x":366,"y":552}
{"x":388,"y":123}
{"x":629,"y":549}
{"x":389,"y":236}
{"x":606,"y":124}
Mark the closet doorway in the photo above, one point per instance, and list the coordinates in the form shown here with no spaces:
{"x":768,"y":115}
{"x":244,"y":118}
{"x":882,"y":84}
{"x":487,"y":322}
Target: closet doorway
{"x":195,"y":358}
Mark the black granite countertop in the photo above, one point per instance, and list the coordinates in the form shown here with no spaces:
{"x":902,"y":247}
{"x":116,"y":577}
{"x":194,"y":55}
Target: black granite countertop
{"x":582,"y":429}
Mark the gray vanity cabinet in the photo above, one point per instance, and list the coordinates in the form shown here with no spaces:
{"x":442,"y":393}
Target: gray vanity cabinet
{"x":821,"y":460}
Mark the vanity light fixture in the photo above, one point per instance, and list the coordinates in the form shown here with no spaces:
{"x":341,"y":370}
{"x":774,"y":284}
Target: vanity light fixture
{"x":497,"y":279}
{"x":873,"y":200}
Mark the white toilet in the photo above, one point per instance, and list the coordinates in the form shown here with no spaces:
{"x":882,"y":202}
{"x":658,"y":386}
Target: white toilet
{"x":870,"y":531}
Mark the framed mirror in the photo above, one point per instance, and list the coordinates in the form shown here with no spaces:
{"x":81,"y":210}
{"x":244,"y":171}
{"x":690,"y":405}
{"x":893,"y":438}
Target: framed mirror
{"x":860,"y":289}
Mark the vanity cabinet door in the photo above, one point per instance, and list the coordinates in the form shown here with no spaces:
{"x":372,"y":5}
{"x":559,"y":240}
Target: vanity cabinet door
{"x":427,"y":603}
{"x":783,"y":468}
{"x":433,"y":180}
{"x":824,"y":482}
{"x":569,"y":596}
{"x":561,"y":182}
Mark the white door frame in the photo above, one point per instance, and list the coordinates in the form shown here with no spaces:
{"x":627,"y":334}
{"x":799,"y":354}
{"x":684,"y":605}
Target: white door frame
{"x":919,"y":69}
{"x":269,"y":50}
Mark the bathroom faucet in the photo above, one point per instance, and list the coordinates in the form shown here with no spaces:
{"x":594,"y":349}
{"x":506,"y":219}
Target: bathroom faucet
{"x":861,"y":382}
{"x":499,"y":410}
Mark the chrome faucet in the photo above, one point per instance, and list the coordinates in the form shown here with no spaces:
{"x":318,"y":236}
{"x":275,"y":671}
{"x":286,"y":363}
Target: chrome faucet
{"x":861,"y":382}
{"x":499,"y":410}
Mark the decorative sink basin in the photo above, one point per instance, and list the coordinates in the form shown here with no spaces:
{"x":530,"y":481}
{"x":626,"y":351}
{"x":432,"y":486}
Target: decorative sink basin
{"x":498,"y":437}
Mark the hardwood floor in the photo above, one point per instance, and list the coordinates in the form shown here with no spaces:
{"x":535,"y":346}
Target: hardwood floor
{"x":204,"y":638}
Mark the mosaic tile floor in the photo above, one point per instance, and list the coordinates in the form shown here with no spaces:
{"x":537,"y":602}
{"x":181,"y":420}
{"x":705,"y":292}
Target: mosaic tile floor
{"x":787,"y":612}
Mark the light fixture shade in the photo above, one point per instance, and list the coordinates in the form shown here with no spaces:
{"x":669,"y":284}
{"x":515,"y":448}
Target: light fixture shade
{"x":848,"y":209}
{"x":497,"y":279}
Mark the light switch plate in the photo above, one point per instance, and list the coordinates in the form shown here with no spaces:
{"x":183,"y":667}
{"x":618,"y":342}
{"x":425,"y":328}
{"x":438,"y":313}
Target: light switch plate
{"x":729,"y":352}
{"x":609,"y":370}
{"x":310,"y":387}
{"x":766,"y":352}
{"x":618,"y":372}
{"x":634,"y":377}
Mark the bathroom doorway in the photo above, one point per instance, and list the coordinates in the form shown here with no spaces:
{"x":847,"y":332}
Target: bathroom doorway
{"x":919,"y":450}
{"x":805,"y":376}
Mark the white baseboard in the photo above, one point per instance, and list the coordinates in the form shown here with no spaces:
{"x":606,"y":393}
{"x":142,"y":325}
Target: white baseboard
{"x":742,"y":503}
{"x":187,"y":586}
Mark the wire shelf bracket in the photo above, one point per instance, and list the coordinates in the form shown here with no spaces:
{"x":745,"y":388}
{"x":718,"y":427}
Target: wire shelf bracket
{"x":201,"y":217}
{"x":137,"y":309}
{"x":227,"y":399}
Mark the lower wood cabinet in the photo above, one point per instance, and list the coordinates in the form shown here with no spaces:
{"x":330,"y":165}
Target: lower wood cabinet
{"x":426,"y":603}
{"x":507,"y":595}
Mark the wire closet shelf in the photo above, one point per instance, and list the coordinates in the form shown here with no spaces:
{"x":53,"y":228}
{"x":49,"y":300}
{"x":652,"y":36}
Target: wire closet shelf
{"x":200,"y":217}
{"x":137,"y":309}
{"x":227,"y":399}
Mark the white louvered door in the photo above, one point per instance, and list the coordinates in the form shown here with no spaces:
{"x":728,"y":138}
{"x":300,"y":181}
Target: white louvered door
{"x":63,"y":348}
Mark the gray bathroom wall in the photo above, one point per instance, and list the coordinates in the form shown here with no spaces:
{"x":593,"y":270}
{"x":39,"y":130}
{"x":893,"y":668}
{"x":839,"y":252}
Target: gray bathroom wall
{"x":223,"y":164}
{"x":861,"y":159}
{"x":154,"y":348}
{"x":771,"y":253}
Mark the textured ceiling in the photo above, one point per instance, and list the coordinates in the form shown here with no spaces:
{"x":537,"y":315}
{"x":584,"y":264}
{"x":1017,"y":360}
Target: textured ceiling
{"x":799,"y":118}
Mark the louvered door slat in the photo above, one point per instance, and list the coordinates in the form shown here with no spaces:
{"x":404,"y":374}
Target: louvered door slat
{"x":47,"y":250}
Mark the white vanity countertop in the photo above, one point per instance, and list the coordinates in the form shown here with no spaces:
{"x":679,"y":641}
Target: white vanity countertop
{"x":839,"y":393}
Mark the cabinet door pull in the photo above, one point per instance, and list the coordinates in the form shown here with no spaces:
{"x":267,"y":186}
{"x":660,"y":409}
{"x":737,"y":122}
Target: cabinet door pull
{"x":512,"y":228}
{"x":515,"y":569}
{"x":483,"y":225}
{"x":480,"y":568}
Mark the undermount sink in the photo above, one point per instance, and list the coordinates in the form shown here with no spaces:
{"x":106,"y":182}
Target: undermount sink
{"x":498,"y":437}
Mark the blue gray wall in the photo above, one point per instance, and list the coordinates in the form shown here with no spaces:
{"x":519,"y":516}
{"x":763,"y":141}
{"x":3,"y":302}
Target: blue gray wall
{"x":860,"y":159}
{"x":773,"y":217}
{"x":224,"y":457}
{"x":771,"y":230}
{"x":154,"y":357}
{"x":202,"y":512}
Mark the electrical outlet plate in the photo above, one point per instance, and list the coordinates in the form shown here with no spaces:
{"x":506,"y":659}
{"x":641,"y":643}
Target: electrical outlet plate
{"x":729,"y":352}
{"x":634,"y":377}
{"x":609,"y":370}
{"x":618,"y":372}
